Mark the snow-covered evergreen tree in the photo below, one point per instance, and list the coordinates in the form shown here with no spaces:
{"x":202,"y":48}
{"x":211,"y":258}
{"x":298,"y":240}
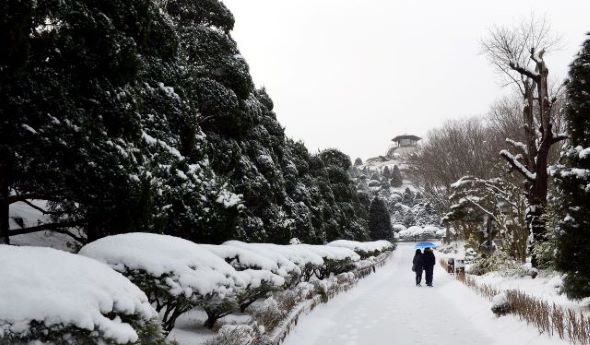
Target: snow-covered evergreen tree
{"x":70,"y":128}
{"x":573,"y":181}
{"x":149,"y":113}
{"x":396,"y":177}
{"x":379,"y":220}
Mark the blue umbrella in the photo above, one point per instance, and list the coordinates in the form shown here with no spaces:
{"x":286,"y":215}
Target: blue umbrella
{"x":422,"y":245}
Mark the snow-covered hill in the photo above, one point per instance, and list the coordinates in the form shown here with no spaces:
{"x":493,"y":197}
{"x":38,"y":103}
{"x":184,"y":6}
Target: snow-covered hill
{"x":389,"y":178}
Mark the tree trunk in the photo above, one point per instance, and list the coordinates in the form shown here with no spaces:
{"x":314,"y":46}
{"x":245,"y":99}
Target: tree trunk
{"x":4,"y":206}
{"x":537,"y":191}
{"x":488,"y":228}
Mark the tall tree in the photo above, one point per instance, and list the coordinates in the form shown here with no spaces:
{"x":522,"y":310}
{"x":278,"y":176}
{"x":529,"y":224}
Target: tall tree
{"x":379,"y":220}
{"x":573,"y":181}
{"x":69,"y":126}
{"x":396,"y":177}
{"x":518,"y":53}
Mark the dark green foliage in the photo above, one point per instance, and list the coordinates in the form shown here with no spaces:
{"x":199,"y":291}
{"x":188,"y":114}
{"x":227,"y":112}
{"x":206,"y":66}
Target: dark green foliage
{"x":573,"y":182}
{"x":379,"y":221}
{"x":386,"y":173}
{"x":149,"y":115}
{"x":396,"y":177}
{"x":70,"y":129}
{"x":149,"y":332}
{"x":408,"y":197}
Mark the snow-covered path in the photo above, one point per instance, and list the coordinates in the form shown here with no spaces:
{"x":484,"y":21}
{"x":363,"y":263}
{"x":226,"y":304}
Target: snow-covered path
{"x":387,"y":308}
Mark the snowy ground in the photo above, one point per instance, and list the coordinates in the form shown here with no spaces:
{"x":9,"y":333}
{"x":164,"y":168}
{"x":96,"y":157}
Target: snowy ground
{"x":387,"y":308}
{"x":546,"y":286}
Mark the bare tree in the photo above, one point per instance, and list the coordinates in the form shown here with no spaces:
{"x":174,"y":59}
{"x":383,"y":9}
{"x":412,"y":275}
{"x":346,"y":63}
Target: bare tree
{"x":518,"y":54}
{"x":459,"y":148}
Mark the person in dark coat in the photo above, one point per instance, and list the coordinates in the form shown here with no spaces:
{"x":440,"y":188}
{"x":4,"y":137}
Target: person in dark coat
{"x":428,"y":261}
{"x":417,"y":266}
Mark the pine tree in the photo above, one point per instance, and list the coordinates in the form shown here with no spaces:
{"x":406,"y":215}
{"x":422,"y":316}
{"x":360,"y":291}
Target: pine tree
{"x":379,"y":221}
{"x":386,"y":173}
{"x":573,"y":181}
{"x":149,"y":114}
{"x":408,"y":197}
{"x":396,"y":177}
{"x":358,"y":162}
{"x":69,"y":130}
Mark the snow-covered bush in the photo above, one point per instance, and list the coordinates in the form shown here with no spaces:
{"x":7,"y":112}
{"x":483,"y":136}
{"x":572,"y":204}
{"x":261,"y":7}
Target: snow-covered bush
{"x":235,"y":335}
{"x":51,"y":296}
{"x":498,"y":261}
{"x":176,"y":274}
{"x":256,"y":269}
{"x":269,"y":313}
{"x":305,"y":259}
{"x":284,"y":267}
{"x":364,"y":249}
{"x":500,"y":304}
{"x":417,"y":233}
{"x":398,"y":227}
{"x":336,"y":259}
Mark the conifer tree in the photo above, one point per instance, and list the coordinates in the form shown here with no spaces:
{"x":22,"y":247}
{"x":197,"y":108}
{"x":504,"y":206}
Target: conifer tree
{"x":386,"y":173}
{"x":69,"y":130}
{"x":573,"y":181}
{"x":396,"y":177}
{"x":379,"y":220}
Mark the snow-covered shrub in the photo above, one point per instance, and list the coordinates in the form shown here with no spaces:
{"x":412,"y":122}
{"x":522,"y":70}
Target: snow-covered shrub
{"x":255,"y":269}
{"x":305,"y":259}
{"x":346,"y":278}
{"x":235,"y":335}
{"x":364,"y":249}
{"x":51,"y":296}
{"x":417,"y":233}
{"x":269,"y":313}
{"x":498,"y":261}
{"x":176,"y":274}
{"x":500,"y":304}
{"x":285,"y":268}
{"x":398,"y":227}
{"x":336,"y":259}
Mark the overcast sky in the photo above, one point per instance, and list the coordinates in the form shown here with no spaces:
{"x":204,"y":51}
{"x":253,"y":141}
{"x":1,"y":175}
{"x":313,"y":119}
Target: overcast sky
{"x":352,"y":74}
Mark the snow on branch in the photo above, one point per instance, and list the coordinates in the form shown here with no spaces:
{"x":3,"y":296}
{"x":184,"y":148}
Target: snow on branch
{"x":516,"y":164}
{"x":518,"y":145}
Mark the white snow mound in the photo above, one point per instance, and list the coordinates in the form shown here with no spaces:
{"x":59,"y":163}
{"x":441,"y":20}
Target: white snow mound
{"x":190,"y":268}
{"x":380,"y":245}
{"x":58,"y":288}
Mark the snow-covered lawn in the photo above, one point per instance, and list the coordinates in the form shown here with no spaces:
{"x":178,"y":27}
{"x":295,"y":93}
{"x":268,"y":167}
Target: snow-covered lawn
{"x":387,"y":308}
{"x":546,"y":286}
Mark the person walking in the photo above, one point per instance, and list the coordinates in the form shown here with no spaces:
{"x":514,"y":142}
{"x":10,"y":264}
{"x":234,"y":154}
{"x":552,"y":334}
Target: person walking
{"x":428,"y":261}
{"x":417,"y":266}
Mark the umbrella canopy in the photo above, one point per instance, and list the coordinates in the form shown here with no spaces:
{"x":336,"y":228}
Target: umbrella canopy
{"x":422,"y":245}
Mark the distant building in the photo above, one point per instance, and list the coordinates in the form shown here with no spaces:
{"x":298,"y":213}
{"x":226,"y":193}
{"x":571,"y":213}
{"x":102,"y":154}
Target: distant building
{"x":406,"y":140}
{"x":397,"y":152}
{"x":403,"y":145}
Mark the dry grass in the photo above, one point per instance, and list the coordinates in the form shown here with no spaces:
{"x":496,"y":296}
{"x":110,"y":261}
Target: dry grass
{"x":551,"y":319}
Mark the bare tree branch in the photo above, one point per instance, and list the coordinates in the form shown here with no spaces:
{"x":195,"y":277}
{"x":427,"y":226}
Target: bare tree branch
{"x":517,"y":165}
{"x":55,"y":227}
{"x":40,"y":209}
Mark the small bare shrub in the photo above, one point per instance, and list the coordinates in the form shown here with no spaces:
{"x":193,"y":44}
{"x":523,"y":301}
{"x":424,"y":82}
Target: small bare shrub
{"x":236,"y":335}
{"x":269,"y":313}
